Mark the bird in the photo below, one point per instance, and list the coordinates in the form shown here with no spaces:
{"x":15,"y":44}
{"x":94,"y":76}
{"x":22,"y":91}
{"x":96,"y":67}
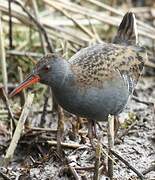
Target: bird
{"x":99,"y":79}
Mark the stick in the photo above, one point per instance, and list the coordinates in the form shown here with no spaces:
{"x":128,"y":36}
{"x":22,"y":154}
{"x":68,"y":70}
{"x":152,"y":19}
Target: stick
{"x":110,"y":144}
{"x":68,"y":145}
{"x":80,"y":26}
{"x":86,"y":168}
{"x":60,"y":129}
{"x":23,"y":94}
{"x":2,"y":56}
{"x":104,"y":17}
{"x":19,"y":128}
{"x":140,"y":175}
{"x":141,"y":101}
{"x":74,"y":173}
{"x":10,"y":25}
{"x":39,"y":25}
{"x":6,"y":101}
{"x":4,"y":176}
{"x":41,"y":129}
{"x":97,"y":162}
{"x":35,"y":7}
{"x":10,"y":113}
{"x":24,"y":53}
{"x":125,"y":132}
{"x":145,"y":26}
{"x":151,"y":168}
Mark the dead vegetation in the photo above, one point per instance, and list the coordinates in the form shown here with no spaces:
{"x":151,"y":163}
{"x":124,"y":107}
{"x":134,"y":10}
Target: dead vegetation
{"x":40,"y":141}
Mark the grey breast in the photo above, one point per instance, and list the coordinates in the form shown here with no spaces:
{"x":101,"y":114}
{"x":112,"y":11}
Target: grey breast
{"x":94,"y":103}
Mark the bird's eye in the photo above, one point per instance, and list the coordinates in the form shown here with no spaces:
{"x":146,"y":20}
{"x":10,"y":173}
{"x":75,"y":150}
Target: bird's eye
{"x":47,"y":67}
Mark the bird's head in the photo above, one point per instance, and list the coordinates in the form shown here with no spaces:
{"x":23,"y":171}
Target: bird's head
{"x":42,"y":73}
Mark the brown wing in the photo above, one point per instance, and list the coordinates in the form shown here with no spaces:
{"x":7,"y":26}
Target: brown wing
{"x":94,"y":64}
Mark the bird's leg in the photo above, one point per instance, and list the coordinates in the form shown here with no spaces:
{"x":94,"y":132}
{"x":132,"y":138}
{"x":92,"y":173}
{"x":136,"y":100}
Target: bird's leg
{"x":95,"y":130}
{"x":78,"y":124}
{"x":60,"y":130}
{"x":116,"y":125}
{"x":91,"y":131}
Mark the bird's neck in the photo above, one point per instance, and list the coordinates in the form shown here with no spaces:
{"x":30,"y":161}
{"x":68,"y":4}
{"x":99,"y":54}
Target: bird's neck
{"x":61,"y":74}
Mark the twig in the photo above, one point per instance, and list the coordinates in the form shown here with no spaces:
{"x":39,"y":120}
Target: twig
{"x":35,"y":7}
{"x":10,"y":25}
{"x":19,"y":128}
{"x":39,"y":25}
{"x":42,"y":129}
{"x":105,"y":6}
{"x":80,"y":26}
{"x":10,"y":113}
{"x":4,"y":176}
{"x":2,"y":56}
{"x":151,"y":104}
{"x":23,"y":94}
{"x":125,"y":132}
{"x":54,"y":31}
{"x":110,"y":144}
{"x":86,"y":168}
{"x":151,"y":168}
{"x":4,"y":112}
{"x":97,"y":162}
{"x":68,"y":145}
{"x":141,"y":101}
{"x":140,"y":175}
{"x":60,"y":129}
{"x":93,"y":29}
{"x":6,"y":101}
{"x":119,"y":12}
{"x":74,"y":173}
{"x":104,"y":17}
{"x":20,"y":53}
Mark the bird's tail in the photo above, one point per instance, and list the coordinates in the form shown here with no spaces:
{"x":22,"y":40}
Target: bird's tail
{"x":127,"y":31}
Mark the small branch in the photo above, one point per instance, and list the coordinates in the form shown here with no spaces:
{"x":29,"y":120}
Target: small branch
{"x":6,"y":101}
{"x":80,"y":26}
{"x":140,"y":175}
{"x":4,"y":176}
{"x":68,"y":145}
{"x":42,"y":129}
{"x":97,"y":162}
{"x":74,"y":173}
{"x":35,"y":7}
{"x":23,"y":94}
{"x":110,"y":144}
{"x":24,"y":53}
{"x":19,"y":128}
{"x":151,"y":104}
{"x":2,"y":56}
{"x":39,"y":25}
{"x":143,"y":102}
{"x":125,"y":132}
{"x":87,"y":168}
{"x":151,"y":168}
{"x":60,"y":129}
{"x":10,"y":25}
